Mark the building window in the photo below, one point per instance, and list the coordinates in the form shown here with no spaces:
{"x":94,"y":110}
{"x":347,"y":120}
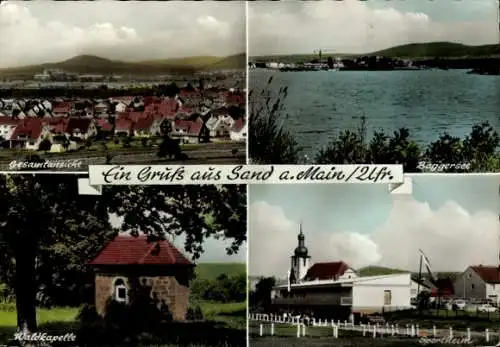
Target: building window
{"x":120,"y":290}
{"x":387,"y":297}
{"x":472,"y":286}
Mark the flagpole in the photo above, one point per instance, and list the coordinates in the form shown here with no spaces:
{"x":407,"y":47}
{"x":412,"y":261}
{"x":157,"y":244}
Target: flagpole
{"x":418,"y":284}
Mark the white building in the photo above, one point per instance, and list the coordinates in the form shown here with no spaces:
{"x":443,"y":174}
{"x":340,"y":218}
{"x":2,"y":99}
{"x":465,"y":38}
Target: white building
{"x":334,"y":288}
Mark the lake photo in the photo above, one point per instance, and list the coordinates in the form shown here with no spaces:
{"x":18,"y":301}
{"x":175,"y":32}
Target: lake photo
{"x":335,"y":85}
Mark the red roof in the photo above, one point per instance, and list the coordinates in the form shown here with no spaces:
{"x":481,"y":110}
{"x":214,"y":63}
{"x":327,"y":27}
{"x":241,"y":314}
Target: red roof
{"x":82,"y":124}
{"x":104,"y":124}
{"x":191,"y":127}
{"x":144,"y":123}
{"x":28,"y":129}
{"x":128,"y":250}
{"x":238,"y":124}
{"x":123,"y":124}
{"x":489,"y":274}
{"x":4,"y":120}
{"x":327,"y":271}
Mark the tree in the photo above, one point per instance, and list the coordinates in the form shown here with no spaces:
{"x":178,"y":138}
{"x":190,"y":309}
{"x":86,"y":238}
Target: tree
{"x":269,"y":142}
{"x":260,"y":298}
{"x":44,"y":215}
{"x":45,"y":145}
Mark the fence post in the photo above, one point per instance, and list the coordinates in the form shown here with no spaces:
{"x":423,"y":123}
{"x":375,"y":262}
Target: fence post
{"x":393,"y":331}
{"x":468,"y":334}
{"x":487,"y":335}
{"x":303,"y":329}
{"x":345,"y":324}
{"x":434,"y":332}
{"x":417,"y":330}
{"x":397,"y":329}
{"x":261,"y":330}
{"x":407,"y":330}
{"x":412,"y":330}
{"x":272,"y":329}
{"x":451,"y":332}
{"x":298,"y":330}
{"x":364,"y":329}
{"x":333,"y":324}
{"x":374,"y":331}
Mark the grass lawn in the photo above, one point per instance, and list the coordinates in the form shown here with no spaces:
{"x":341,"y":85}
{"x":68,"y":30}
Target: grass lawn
{"x":210,"y":271}
{"x":232,"y":314}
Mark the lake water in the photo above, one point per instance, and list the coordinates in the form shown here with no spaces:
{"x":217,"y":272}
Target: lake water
{"x":320,"y":104}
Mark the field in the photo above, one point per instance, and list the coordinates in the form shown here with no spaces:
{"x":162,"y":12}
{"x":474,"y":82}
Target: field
{"x":286,"y":335}
{"x":62,"y":320}
{"x":211,"y":271}
{"x":210,"y":153}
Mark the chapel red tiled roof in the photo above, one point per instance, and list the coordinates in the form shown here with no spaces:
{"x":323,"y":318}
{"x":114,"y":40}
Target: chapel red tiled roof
{"x":326,"y":271}
{"x":129,"y":250}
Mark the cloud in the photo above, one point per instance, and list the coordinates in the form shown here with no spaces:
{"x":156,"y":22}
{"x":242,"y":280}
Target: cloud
{"x":353,"y":27}
{"x":450,"y":236}
{"x":31,"y":34}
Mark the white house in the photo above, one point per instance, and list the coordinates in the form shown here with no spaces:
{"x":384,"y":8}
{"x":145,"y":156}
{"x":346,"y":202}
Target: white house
{"x":479,"y":282}
{"x":239,"y":131}
{"x":120,"y":107}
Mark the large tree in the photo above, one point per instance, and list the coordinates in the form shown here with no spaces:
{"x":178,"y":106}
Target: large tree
{"x":44,"y":222}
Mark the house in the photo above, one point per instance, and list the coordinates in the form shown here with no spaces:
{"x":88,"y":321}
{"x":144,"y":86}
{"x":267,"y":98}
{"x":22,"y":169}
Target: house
{"x":120,"y":107}
{"x":219,"y":126}
{"x":334,"y":290}
{"x":189,"y":131}
{"x":147,"y":127}
{"x":62,"y":109}
{"x":7,"y":127}
{"x":82,"y":128}
{"x":127,"y":261}
{"x":479,"y":282}
{"x":28,"y":134}
{"x":101,"y":108}
{"x":123,"y":127}
{"x":238,"y":131}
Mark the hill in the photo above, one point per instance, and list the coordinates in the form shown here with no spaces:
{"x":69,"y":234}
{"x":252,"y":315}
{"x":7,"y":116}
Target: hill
{"x":237,"y":61}
{"x":413,"y":50}
{"x":89,"y":64}
{"x":439,"y":49}
{"x":378,"y":271}
{"x":210,"y":271}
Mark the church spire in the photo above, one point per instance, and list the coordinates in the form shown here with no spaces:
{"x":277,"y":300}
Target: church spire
{"x":301,"y":250}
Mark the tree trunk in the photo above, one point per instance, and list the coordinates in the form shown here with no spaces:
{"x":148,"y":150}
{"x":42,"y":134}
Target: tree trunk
{"x":25,"y":287}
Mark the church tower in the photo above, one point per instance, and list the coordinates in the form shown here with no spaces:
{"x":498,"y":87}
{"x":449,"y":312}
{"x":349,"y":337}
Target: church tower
{"x":300,"y":259}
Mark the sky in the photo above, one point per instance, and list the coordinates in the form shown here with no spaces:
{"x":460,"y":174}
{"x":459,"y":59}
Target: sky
{"x":49,"y":31}
{"x":353,"y":26}
{"x":453,"y":219}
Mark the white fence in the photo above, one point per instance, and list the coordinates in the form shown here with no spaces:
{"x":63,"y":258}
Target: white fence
{"x":269,"y":322}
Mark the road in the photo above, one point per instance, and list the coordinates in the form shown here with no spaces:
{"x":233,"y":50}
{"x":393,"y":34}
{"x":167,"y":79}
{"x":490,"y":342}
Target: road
{"x":212,"y":153}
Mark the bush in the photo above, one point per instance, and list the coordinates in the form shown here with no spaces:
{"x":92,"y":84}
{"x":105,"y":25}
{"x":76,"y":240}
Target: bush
{"x":194,"y":313}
